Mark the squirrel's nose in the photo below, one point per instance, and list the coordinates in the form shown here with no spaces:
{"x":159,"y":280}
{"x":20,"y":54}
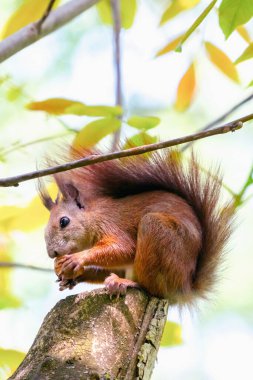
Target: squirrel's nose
{"x":53,"y":254}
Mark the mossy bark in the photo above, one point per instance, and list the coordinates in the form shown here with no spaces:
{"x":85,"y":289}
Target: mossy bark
{"x":90,"y":336}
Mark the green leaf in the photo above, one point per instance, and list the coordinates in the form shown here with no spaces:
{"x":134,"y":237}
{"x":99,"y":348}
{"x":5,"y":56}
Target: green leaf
{"x":247,"y":54}
{"x":196,"y":23}
{"x":172,"y":335}
{"x":96,"y":111}
{"x":233,"y":13}
{"x":176,"y":7}
{"x":127,"y":12}
{"x":10,"y":359}
{"x":93,"y":132}
{"x":222,"y":61}
{"x":250,"y":84}
{"x":143,"y":122}
{"x":139,"y":139}
{"x":8,"y":300}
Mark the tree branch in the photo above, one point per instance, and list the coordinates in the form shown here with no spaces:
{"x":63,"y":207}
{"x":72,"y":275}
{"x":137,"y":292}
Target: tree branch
{"x":91,"y":336}
{"x":30,"y":33}
{"x":4,"y":264}
{"x":115,"y":6}
{"x":220,"y":119}
{"x":94,"y":159}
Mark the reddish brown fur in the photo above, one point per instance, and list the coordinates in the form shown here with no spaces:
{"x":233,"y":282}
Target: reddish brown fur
{"x":155,"y":215}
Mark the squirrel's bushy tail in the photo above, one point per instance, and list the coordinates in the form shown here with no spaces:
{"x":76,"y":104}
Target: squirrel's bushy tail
{"x":166,"y":171}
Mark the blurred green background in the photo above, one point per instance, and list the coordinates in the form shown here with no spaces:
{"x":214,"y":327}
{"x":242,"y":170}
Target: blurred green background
{"x":76,"y":62}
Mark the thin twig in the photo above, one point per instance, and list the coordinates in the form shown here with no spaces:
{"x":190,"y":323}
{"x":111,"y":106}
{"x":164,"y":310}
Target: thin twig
{"x":115,"y":6}
{"x":220,"y":119}
{"x":45,"y":15}
{"x":4,"y":264}
{"x":11,"y":149}
{"x":56,"y":19}
{"x":93,"y":159}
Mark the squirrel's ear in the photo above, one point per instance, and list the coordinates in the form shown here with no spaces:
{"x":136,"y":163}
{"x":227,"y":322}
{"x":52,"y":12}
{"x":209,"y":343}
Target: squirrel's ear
{"x":70,"y":191}
{"x":44,"y":195}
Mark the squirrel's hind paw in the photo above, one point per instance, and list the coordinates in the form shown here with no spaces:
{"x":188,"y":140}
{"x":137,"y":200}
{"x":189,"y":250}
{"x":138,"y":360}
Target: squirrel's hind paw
{"x":117,"y":286}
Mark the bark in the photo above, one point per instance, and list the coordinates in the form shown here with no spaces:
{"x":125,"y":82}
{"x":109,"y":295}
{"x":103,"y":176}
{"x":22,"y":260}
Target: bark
{"x":90,"y":336}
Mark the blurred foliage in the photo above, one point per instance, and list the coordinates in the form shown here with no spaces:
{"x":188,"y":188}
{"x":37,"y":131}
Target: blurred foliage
{"x":101,"y":121}
{"x":29,"y":11}
{"x":172,"y":334}
{"x":9,"y":361}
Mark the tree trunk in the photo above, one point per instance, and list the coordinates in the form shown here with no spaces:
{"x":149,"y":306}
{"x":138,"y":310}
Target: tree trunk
{"x":90,"y":336}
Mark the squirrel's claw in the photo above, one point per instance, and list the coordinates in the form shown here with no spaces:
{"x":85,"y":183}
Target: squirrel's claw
{"x":117,"y":286}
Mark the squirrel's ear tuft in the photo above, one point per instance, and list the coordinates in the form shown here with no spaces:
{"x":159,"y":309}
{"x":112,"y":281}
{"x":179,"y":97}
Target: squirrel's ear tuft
{"x":44,"y":195}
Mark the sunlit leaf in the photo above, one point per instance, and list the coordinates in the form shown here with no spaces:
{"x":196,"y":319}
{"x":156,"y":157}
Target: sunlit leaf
{"x":127,"y":12}
{"x":95,"y":131}
{"x":186,"y":90}
{"x":172,"y":335}
{"x":10,"y":359}
{"x":61,"y":106}
{"x":233,"y":13}
{"x":14,"y":92}
{"x":222,"y":61}
{"x":143,"y":122}
{"x":54,"y":106}
{"x":7,"y":299}
{"x":102,"y":111}
{"x":244,"y":33}
{"x":170,"y":46}
{"x":176,"y":7}
{"x":139,"y":139}
{"x":29,"y":11}
{"x":247,"y":54}
{"x":16,"y":218}
{"x":250,"y":84}
{"x":196,"y":23}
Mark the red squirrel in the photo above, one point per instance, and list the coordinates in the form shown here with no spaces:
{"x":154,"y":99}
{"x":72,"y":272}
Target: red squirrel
{"x":154,"y":219}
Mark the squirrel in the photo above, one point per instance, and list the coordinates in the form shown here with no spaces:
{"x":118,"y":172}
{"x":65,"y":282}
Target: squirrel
{"x":153,"y":219}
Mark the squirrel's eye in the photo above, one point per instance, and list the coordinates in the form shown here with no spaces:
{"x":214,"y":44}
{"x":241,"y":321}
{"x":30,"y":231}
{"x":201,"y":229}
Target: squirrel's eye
{"x":64,"y":221}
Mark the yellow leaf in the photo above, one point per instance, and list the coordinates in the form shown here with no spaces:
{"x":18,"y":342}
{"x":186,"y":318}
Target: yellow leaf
{"x":54,"y":106}
{"x":170,"y":46}
{"x":222,"y":61}
{"x":186,"y":90}
{"x":176,"y":7}
{"x":26,"y":218}
{"x":172,"y":334}
{"x":10,"y":359}
{"x":244,"y":33}
{"x":127,"y":12}
{"x":247,"y":54}
{"x":29,"y":11}
{"x":95,"y":131}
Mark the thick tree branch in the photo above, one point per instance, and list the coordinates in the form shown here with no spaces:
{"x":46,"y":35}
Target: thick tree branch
{"x":220,"y":119}
{"x":93,"y":159}
{"x":30,"y":33}
{"x":4,"y":264}
{"x":115,"y":6}
{"x":91,"y":336}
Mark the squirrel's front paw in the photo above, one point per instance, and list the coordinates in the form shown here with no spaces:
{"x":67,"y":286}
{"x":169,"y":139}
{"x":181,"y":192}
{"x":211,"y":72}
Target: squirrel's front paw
{"x":71,"y":265}
{"x":118,"y":286}
{"x":67,"y":284}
